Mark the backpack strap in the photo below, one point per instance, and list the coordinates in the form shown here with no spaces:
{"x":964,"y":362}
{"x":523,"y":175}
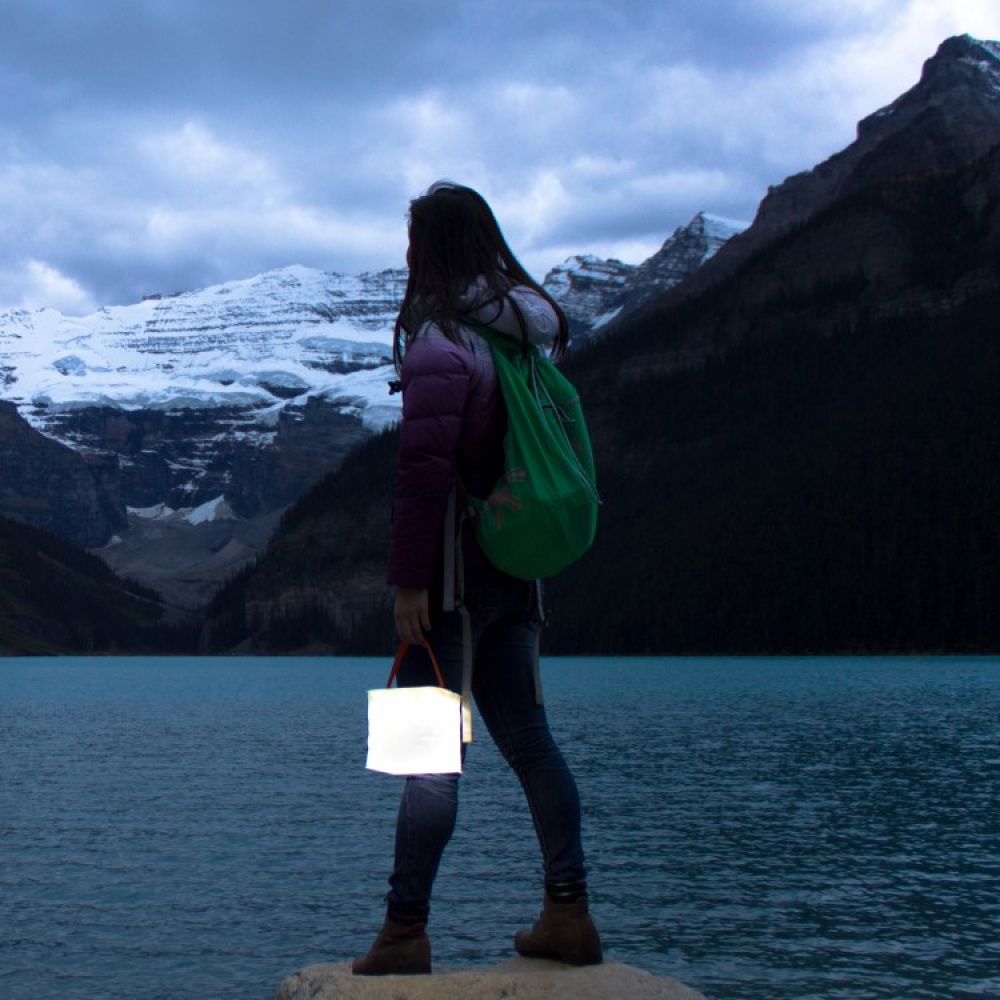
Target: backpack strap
{"x":540,"y":607}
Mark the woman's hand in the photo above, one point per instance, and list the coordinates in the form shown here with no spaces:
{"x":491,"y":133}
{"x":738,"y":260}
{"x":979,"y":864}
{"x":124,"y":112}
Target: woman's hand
{"x":412,"y":614}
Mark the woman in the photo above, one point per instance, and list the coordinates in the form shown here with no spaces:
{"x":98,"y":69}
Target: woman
{"x":452,"y":432}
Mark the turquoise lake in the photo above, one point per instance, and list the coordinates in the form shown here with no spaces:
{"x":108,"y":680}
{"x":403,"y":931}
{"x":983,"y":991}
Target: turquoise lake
{"x":196,"y":829}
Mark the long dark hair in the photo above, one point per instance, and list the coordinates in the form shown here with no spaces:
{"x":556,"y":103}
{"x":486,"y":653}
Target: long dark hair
{"x":454,"y":241}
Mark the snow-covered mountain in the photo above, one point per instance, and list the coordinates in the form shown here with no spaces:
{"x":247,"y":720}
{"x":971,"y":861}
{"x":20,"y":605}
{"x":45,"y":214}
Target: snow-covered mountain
{"x":248,"y":391}
{"x":252,"y":387}
{"x":254,"y":345}
{"x":681,"y":255}
{"x":595,"y":292}
{"x":590,"y":290}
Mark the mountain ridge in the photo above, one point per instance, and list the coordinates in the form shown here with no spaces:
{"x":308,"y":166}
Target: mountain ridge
{"x":797,"y":453}
{"x":957,"y":99}
{"x":247,"y":390}
{"x":797,"y":444}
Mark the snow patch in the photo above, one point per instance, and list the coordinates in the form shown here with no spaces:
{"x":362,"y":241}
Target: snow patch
{"x":212,"y":510}
{"x":157,"y":512}
{"x":718,"y":225}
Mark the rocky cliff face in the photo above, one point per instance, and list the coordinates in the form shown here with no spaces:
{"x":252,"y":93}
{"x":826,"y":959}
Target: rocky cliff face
{"x":49,"y":485}
{"x":686,"y":250}
{"x":594,"y":293}
{"x":187,"y":456}
{"x":590,"y":290}
{"x":250,"y":389}
{"x":948,"y":119}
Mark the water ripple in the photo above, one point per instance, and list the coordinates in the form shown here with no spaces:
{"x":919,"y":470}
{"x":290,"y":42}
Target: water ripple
{"x":757,"y":828}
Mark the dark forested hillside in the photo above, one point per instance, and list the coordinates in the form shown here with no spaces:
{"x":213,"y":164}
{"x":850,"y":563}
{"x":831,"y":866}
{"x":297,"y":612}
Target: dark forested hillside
{"x":803,"y":458}
{"x":55,"y":598}
{"x":804,"y":494}
{"x":320,"y":583}
{"x":827,"y":477}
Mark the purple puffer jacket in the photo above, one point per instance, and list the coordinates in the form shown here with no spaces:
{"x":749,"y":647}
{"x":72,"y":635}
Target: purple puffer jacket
{"x":453,"y":423}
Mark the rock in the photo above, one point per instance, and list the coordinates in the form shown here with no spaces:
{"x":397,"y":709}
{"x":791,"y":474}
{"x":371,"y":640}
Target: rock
{"x":517,"y":977}
{"x":183,"y":561}
{"x":49,"y":485}
{"x":588,"y":289}
{"x":949,"y":119}
{"x":594,"y":293}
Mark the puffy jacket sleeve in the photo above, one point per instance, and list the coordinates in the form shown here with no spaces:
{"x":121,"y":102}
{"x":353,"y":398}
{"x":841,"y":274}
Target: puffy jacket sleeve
{"x":436,"y":376}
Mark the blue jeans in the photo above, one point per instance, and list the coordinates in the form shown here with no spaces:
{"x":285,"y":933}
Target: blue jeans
{"x":504,"y":626}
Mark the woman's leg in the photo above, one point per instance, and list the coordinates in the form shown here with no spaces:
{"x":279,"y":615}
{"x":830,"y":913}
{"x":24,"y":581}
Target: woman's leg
{"x":424,"y":825}
{"x":503,"y":637}
{"x":428,"y":806}
{"x":503,"y":683}
{"x":504,"y":688}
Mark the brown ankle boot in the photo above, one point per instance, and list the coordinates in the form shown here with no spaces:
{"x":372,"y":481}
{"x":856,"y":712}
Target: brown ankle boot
{"x":564,"y":932}
{"x":399,"y":950}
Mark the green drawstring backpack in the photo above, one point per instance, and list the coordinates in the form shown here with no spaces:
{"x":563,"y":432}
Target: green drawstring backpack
{"x":542,"y":513}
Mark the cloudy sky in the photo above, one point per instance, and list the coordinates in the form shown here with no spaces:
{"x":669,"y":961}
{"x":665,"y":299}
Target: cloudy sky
{"x":165,"y":145}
